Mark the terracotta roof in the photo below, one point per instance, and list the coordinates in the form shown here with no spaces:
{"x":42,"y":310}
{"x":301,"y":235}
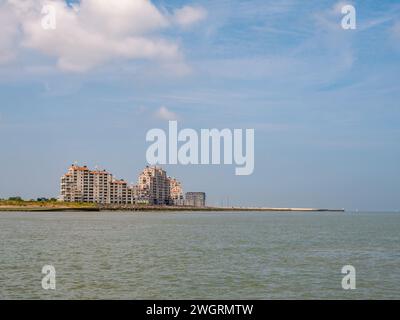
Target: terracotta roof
{"x":73,"y":167}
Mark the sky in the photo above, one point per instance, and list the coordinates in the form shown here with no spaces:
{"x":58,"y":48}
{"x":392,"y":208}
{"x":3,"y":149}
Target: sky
{"x":324,"y":101}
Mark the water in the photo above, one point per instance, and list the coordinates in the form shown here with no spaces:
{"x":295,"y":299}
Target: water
{"x":199,"y":255}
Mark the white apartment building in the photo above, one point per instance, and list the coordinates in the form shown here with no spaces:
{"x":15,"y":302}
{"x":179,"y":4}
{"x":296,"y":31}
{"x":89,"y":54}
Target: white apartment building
{"x":176,"y":192}
{"x":101,"y":186}
{"x":154,"y":187}
{"x":80,"y":184}
{"x":77,"y":185}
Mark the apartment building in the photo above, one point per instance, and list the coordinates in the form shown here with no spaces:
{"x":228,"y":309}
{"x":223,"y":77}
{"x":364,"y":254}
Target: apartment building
{"x":77,"y":185}
{"x":153,"y":187}
{"x":102,"y":186}
{"x":195,"y":199}
{"x":176,"y":192}
{"x":80,"y":184}
{"x":118,"y":192}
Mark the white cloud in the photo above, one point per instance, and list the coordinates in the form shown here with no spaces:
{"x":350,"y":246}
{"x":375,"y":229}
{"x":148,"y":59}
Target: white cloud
{"x":123,"y":16}
{"x":92,"y":33}
{"x":164,"y":114}
{"x":189,"y":15}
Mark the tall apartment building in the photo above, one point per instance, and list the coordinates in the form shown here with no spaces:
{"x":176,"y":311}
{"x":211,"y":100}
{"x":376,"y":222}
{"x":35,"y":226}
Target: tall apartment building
{"x":119,"y":192}
{"x":80,"y":184}
{"x":176,"y":192}
{"x":153,"y":187}
{"x":77,"y":185}
{"x":101,"y":186}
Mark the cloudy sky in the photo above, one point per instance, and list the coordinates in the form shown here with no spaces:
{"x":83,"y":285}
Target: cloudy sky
{"x":324,"y":101}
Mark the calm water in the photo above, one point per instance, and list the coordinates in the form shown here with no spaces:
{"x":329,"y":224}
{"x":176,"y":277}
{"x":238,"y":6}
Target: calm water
{"x":199,"y":255}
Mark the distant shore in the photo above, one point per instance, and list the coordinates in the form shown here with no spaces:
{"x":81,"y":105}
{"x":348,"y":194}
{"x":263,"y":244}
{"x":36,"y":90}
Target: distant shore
{"x":32,"y":206}
{"x":48,"y":205}
{"x":188,"y":208}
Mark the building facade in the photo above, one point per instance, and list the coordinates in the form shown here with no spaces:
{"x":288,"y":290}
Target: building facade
{"x":195,"y":199}
{"x":176,"y":192}
{"x":80,"y":184}
{"x":77,"y":185}
{"x":102,"y":186}
{"x":154,"y":187}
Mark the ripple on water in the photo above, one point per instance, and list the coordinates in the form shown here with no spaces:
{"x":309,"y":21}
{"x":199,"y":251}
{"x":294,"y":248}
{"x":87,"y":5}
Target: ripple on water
{"x":199,"y":256}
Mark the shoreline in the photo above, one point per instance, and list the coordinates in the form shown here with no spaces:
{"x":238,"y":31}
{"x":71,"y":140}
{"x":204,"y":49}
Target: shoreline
{"x":158,"y":209}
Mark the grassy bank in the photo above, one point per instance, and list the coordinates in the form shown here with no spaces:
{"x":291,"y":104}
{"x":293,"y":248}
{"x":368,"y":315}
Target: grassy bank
{"x":48,"y":205}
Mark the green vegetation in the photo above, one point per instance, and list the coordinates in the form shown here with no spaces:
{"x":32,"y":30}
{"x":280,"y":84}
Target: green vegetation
{"x":15,"y":199}
{"x":18,"y":202}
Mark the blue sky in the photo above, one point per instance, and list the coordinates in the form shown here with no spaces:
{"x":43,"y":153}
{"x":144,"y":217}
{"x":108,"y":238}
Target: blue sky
{"x":324,"y":102}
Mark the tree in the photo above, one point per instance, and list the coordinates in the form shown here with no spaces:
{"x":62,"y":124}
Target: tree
{"x":15,"y":199}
